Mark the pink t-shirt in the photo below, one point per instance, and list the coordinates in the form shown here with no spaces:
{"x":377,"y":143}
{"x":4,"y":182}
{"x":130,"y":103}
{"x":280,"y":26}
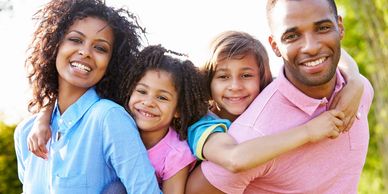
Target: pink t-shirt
{"x":329,"y":166}
{"x":170,"y":156}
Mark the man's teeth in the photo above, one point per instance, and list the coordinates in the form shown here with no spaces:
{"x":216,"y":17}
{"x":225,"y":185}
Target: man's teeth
{"x":81,"y":66}
{"x":316,"y":62}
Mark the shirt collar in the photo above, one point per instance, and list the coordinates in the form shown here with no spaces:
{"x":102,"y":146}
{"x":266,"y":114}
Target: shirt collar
{"x":75,"y":111}
{"x":302,"y":101}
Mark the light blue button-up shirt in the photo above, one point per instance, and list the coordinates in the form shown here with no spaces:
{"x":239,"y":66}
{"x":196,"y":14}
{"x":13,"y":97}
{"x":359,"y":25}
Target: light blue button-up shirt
{"x":98,"y":143}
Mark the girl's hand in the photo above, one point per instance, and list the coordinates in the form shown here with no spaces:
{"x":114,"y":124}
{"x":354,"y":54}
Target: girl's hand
{"x":349,"y":98}
{"x":40,"y":134}
{"x":328,"y":124}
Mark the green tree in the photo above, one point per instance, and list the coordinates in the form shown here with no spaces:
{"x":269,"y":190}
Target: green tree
{"x":9,"y":182}
{"x":366,"y":38}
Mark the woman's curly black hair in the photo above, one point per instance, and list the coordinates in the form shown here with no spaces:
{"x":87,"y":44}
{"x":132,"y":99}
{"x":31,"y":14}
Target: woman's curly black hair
{"x":54,"y":20}
{"x":189,"y":84}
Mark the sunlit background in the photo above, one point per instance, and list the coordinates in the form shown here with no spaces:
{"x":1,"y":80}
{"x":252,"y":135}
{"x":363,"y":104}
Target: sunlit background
{"x":180,"y":25}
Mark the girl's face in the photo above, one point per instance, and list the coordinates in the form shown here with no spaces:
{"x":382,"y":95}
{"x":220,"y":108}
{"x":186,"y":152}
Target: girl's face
{"x":234,"y":86}
{"x":84,"y":53}
{"x":153,"y":102}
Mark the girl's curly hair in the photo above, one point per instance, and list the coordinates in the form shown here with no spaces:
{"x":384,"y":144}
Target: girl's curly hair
{"x":54,"y":20}
{"x":189,"y":84}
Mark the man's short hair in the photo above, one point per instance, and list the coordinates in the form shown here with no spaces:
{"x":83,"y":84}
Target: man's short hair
{"x":271,"y":4}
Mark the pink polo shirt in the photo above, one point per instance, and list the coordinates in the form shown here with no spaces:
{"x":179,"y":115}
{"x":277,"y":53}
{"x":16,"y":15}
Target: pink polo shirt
{"x":329,"y":166}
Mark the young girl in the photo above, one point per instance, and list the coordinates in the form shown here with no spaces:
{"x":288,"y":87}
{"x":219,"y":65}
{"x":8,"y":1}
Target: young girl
{"x":238,"y":70}
{"x":76,"y":57}
{"x":165,"y":96}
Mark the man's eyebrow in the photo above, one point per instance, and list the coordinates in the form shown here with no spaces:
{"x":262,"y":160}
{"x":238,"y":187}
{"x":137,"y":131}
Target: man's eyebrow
{"x":322,"y":21}
{"x":293,"y":29}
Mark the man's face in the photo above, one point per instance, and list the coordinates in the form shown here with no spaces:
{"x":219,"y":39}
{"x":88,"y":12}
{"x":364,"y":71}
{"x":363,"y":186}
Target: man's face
{"x":307,"y":35}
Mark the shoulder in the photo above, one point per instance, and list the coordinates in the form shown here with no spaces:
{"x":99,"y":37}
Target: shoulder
{"x":24,"y":127}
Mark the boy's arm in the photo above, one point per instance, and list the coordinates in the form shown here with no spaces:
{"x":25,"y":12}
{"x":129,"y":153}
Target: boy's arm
{"x":221,"y":148}
{"x":40,"y":133}
{"x":349,"y":98}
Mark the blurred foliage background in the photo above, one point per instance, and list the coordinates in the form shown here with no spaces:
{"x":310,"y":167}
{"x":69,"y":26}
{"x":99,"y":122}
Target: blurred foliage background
{"x":366,"y":39}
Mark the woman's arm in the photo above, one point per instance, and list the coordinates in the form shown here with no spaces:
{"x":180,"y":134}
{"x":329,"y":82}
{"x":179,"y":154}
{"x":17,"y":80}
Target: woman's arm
{"x":349,"y":98}
{"x":222,"y":149}
{"x":177,"y":183}
{"x":40,"y":133}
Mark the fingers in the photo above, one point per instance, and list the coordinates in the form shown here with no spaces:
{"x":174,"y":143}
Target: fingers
{"x":37,"y":147}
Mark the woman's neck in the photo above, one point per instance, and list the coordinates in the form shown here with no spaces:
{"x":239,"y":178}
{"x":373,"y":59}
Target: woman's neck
{"x":68,"y":96}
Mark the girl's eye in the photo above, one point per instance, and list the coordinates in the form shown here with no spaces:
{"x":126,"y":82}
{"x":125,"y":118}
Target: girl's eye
{"x":162,"y":98}
{"x":141,"y":91}
{"x":246,"y":75}
{"x":222,"y":77}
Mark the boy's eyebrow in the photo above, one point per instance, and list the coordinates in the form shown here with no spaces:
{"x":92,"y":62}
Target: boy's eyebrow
{"x":99,"y":39}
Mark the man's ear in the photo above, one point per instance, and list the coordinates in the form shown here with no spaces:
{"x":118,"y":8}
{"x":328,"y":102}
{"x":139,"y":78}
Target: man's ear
{"x":274,"y":46}
{"x":341,"y":28}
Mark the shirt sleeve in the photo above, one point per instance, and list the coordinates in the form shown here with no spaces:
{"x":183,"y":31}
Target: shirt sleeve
{"x":126,"y":153}
{"x":201,"y":130}
{"x":177,"y":159}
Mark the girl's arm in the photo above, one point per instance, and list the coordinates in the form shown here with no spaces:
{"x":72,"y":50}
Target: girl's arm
{"x":177,"y":183}
{"x":349,"y":98}
{"x":40,"y":133}
{"x":222,"y":149}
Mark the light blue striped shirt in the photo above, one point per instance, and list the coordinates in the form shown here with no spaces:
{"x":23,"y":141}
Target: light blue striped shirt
{"x":99,"y":143}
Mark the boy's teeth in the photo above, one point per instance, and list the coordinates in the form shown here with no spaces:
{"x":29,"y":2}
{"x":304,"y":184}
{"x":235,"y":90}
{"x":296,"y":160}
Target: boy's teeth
{"x":316,"y":62}
{"x":81,"y":66}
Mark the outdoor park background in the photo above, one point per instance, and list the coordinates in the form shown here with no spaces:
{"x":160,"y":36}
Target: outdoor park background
{"x":188,"y":26}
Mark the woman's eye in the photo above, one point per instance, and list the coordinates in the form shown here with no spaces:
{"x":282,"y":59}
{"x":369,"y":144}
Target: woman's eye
{"x":101,"y":49}
{"x":76,"y":40}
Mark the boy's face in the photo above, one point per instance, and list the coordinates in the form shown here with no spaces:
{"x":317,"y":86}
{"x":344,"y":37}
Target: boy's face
{"x":306,"y":34}
{"x":153,"y":103}
{"x":234,"y":86}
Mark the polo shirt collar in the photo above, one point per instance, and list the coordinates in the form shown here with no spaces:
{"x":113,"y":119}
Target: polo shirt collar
{"x":306,"y":103}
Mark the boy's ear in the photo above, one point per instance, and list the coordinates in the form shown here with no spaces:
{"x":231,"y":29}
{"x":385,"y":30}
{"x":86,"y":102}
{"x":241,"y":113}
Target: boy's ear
{"x":274,"y":46}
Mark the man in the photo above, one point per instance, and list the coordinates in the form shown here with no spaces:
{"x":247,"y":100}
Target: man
{"x":307,"y":35}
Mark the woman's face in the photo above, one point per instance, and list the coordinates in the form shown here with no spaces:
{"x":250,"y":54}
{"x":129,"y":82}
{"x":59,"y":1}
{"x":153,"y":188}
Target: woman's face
{"x":84,"y":53}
